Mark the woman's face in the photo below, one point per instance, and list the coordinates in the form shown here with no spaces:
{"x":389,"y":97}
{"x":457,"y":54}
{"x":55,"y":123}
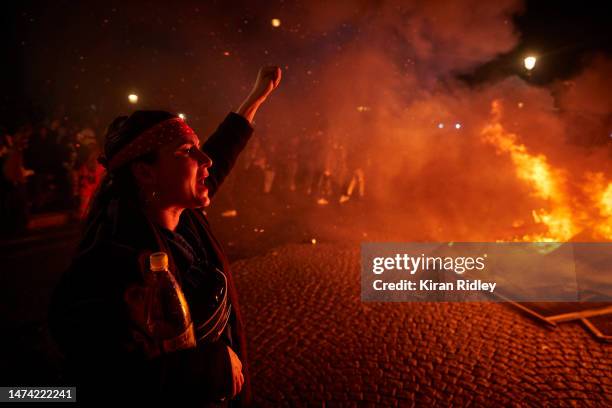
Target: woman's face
{"x":180,"y":172}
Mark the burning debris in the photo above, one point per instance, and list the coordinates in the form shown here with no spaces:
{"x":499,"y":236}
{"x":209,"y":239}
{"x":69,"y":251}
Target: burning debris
{"x":563,"y":218}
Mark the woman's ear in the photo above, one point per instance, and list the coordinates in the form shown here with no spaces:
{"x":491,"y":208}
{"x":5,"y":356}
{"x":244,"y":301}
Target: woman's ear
{"x":144,"y":174}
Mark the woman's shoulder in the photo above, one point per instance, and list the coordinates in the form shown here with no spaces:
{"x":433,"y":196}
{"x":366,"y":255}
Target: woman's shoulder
{"x":115,"y":245}
{"x":106,"y":251}
{"x":107,"y":263}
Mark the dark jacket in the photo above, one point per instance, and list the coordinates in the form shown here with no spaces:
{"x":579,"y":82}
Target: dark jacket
{"x":105,"y":353}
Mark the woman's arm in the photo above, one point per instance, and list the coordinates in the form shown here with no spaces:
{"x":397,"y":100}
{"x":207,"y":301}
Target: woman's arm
{"x":267,"y":80}
{"x":224,"y":146}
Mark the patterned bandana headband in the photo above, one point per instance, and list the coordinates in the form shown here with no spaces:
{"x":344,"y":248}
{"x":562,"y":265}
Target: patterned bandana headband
{"x":159,"y":135}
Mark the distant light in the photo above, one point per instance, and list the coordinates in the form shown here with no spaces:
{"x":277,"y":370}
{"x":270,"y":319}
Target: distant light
{"x":314,"y":241}
{"x":182,"y":116}
{"x":133,"y":98}
{"x":530,"y":62}
{"x":363,"y":108}
{"x":226,"y":53}
{"x":229,"y":213}
{"x":521,"y":104}
{"x":457,"y":125}
{"x":275,"y":22}
{"x":440,"y":125}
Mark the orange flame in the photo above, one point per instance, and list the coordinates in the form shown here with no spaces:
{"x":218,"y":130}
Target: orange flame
{"x":601,"y":196}
{"x":562,"y":220}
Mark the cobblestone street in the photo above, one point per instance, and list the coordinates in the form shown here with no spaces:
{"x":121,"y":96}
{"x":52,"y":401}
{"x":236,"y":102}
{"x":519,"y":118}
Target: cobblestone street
{"x":312,"y":341}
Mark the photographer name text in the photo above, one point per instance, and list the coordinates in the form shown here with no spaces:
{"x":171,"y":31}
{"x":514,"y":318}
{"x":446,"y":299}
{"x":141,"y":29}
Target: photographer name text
{"x":430,"y":285}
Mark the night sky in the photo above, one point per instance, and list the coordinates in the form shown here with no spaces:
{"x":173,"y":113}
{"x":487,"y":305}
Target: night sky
{"x":200,"y":57}
{"x":564,"y":34}
{"x":404,"y":90}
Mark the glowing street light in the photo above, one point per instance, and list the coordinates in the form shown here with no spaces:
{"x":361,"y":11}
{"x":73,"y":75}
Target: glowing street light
{"x":457,"y":125}
{"x":275,"y":22}
{"x":133,"y":98}
{"x":182,"y":116}
{"x":529,"y":62}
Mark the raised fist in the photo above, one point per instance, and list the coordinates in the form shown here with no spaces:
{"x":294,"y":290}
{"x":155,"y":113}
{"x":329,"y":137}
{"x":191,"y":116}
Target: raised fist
{"x":267,"y":80}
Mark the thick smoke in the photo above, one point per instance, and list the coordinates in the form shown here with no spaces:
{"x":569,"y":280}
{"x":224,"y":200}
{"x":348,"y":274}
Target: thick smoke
{"x":368,"y":85}
{"x":389,"y":97}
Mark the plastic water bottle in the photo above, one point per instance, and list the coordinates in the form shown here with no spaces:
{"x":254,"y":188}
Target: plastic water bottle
{"x":168,"y":317}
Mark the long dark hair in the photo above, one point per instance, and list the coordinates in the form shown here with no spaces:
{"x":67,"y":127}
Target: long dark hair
{"x":120,"y":183}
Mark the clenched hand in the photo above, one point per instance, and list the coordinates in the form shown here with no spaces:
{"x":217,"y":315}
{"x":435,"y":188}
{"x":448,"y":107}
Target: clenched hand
{"x":237,"y":376}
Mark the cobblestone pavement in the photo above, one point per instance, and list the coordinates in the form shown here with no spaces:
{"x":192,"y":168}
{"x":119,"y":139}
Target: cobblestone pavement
{"x":313,"y":342}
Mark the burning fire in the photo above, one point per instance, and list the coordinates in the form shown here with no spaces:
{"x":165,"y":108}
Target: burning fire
{"x":601,"y":194}
{"x":565,"y":216}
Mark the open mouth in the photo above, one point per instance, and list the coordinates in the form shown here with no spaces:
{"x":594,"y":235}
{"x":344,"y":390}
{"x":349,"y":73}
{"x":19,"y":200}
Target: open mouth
{"x":202,"y":183}
{"x":201,"y":179}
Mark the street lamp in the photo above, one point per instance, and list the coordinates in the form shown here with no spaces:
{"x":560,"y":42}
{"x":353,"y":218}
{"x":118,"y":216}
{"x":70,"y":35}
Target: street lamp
{"x":529,"y":62}
{"x":133,"y":98}
{"x":275,"y":22}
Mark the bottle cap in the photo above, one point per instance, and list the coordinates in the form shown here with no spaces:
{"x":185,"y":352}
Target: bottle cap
{"x":158,"y":261}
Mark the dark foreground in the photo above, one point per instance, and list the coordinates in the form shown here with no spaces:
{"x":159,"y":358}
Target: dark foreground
{"x":313,"y":342}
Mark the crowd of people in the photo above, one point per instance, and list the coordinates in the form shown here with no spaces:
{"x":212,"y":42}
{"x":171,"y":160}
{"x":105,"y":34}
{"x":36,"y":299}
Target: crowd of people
{"x":313,"y":164}
{"x":52,"y":167}
{"x":46,"y":167}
